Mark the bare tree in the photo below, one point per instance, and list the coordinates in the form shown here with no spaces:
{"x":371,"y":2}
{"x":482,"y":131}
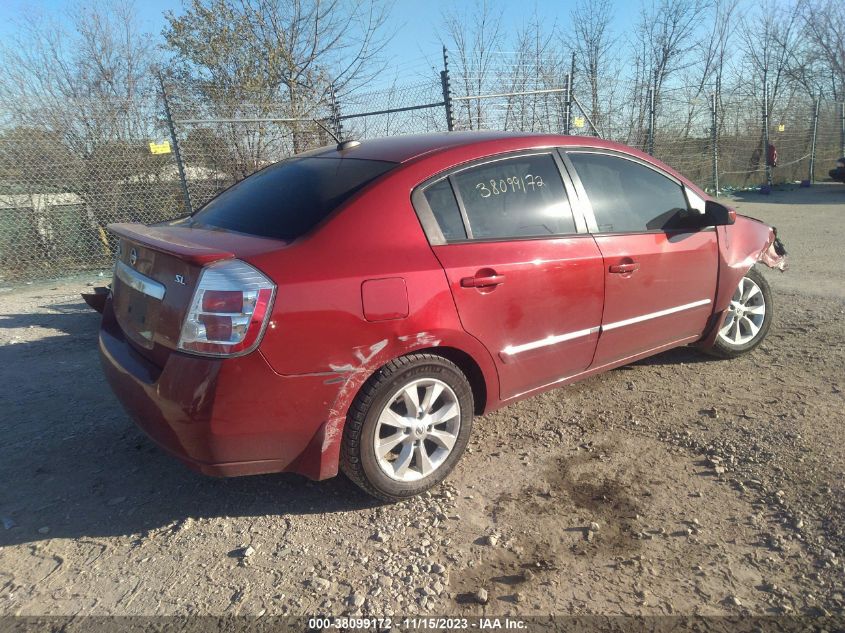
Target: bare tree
{"x":535,"y":65}
{"x":710,"y":59}
{"x":666,"y":32}
{"x":83,"y":80}
{"x":593,"y":43}
{"x":714,"y":50}
{"x":768,"y":37}
{"x":823,"y":23}
{"x":242,"y":58}
{"x":80,"y":76}
{"x":475,"y":37}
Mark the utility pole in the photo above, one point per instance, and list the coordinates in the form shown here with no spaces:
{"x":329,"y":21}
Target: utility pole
{"x":714,"y":140}
{"x":812,"y":176}
{"x":567,"y":106}
{"x":766,"y":128}
{"x":842,"y":129}
{"x":651,"y":120}
{"x":337,"y":126}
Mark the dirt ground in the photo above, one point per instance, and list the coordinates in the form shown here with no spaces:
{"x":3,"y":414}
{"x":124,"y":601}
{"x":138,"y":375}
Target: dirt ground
{"x":716,"y":487}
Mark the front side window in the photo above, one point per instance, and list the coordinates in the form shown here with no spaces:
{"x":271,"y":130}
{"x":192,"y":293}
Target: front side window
{"x":628,"y":197}
{"x":516,"y":197}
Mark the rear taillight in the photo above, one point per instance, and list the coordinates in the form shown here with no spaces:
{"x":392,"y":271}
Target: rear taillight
{"x":229,"y":310}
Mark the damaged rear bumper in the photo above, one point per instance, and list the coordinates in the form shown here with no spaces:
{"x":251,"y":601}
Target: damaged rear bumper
{"x":222,"y":417}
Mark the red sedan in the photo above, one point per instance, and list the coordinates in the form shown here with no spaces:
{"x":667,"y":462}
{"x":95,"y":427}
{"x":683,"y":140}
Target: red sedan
{"x":354,"y":307}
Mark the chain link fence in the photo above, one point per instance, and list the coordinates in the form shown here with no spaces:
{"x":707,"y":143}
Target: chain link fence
{"x":60,"y":187}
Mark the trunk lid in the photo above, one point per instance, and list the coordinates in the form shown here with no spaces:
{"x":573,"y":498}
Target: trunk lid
{"x":156,"y":273}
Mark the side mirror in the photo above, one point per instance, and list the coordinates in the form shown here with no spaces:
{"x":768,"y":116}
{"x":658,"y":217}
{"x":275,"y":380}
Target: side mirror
{"x":716,"y":214}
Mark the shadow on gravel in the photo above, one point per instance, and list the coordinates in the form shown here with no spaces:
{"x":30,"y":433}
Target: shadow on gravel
{"x":70,"y":318}
{"x":72,"y":462}
{"x":677,"y":356}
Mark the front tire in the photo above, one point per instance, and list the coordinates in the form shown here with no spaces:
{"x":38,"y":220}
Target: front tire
{"x":408,"y":426}
{"x":748,"y":318}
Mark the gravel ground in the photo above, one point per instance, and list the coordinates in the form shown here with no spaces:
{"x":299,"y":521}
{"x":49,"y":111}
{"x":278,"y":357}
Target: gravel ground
{"x":679,"y":485}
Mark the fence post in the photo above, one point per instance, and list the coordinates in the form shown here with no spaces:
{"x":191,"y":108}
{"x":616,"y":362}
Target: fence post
{"x":714,"y":140}
{"x":337,"y":126}
{"x":842,"y":129}
{"x":179,"y":165}
{"x":766,"y":130}
{"x":567,"y":105}
{"x":812,"y":176}
{"x":447,"y":91}
{"x":570,"y":94}
{"x":651,"y":120}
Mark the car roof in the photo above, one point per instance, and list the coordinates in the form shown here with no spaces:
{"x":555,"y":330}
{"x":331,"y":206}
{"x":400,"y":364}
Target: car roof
{"x":403,"y":148}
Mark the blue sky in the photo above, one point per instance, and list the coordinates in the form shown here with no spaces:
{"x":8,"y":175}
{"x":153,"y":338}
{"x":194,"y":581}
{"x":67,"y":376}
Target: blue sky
{"x":415,"y":22}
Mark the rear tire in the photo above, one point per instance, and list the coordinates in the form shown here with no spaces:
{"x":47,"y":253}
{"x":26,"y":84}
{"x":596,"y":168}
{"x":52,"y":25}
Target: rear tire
{"x":748,"y":318}
{"x":407,"y":427}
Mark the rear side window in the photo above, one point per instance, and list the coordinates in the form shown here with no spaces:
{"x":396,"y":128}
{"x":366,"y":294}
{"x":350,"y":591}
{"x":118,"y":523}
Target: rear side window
{"x":515,"y":197}
{"x":442,"y":201}
{"x":628,"y":197}
{"x":286,"y":200}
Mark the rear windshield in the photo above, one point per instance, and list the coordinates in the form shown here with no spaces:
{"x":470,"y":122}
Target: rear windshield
{"x":287,"y":200}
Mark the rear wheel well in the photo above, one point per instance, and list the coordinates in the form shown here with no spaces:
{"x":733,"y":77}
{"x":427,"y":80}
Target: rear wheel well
{"x":470,"y":369}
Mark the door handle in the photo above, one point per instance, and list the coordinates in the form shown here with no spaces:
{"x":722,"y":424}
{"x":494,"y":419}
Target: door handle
{"x":624,"y":268}
{"x":485,"y":281}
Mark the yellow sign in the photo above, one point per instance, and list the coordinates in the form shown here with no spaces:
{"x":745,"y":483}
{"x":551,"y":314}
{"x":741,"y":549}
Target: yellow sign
{"x":160,"y":148}
{"x":781,"y":127}
{"x":578,"y":121}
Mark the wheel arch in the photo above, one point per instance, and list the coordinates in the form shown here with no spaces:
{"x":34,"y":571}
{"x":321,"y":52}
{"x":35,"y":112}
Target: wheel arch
{"x":708,"y":341}
{"x":320,"y":459}
{"x":470,"y":368}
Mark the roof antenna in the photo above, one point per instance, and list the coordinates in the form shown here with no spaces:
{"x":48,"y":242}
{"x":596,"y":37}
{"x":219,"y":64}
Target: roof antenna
{"x":329,"y":132}
{"x":341,"y":145}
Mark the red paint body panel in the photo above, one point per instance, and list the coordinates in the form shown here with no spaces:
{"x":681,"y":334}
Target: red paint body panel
{"x":741,"y":245}
{"x":195,"y":245}
{"x":365,"y":287}
{"x":384,"y":299}
{"x":550,"y":288}
{"x":135,"y":311}
{"x":221,"y":417}
{"x":673,"y":269}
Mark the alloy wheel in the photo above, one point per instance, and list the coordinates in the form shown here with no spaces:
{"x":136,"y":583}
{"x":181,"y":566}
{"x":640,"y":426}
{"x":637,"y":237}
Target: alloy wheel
{"x":417,"y":429}
{"x":746,"y":314}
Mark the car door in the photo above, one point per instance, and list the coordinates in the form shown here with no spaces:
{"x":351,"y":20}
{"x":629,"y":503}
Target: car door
{"x":525,"y":281}
{"x":660,"y":275}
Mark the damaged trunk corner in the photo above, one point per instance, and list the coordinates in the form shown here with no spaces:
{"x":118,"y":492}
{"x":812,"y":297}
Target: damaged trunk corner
{"x":97,"y":299}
